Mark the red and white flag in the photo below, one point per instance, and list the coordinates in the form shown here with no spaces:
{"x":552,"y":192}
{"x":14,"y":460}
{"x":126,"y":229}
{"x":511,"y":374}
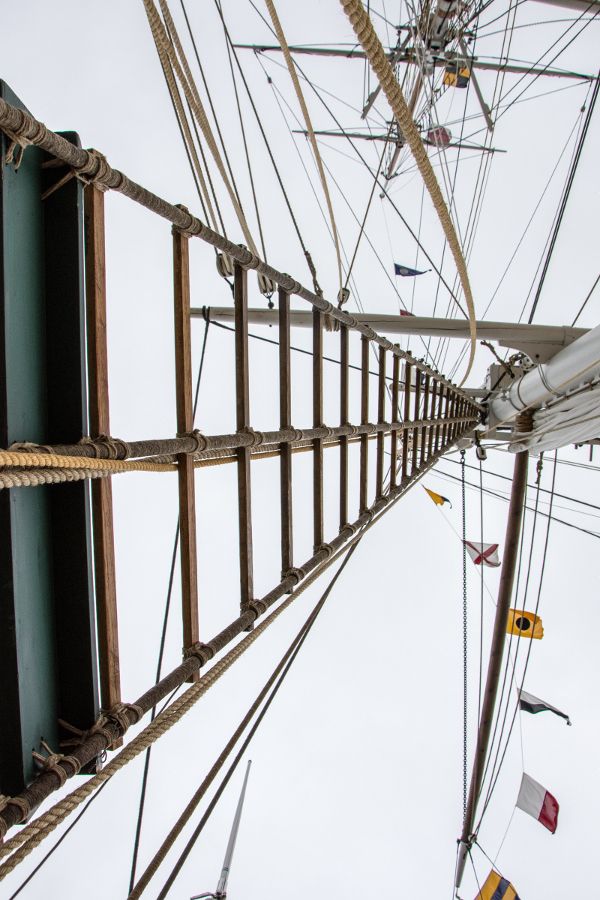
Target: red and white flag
{"x":483,"y":554}
{"x":538,"y":802}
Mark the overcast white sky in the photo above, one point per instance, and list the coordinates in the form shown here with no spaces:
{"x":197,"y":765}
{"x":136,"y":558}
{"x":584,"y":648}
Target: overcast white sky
{"x":356,"y":784}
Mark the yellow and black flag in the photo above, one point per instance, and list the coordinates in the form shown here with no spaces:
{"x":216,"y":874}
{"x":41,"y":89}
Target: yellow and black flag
{"x":457,"y":74}
{"x":497,"y":888}
{"x":437,"y":498}
{"x":524,"y":624}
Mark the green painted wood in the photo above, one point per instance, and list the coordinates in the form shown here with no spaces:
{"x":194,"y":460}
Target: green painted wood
{"x":47,"y":635}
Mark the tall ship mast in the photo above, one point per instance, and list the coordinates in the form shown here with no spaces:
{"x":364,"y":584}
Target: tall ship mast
{"x":314,"y":261}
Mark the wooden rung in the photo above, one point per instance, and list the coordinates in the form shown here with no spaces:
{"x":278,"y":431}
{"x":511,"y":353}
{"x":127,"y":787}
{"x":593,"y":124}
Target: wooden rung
{"x":242,"y":390}
{"x":395,"y":418}
{"x":380,"y":419}
{"x":285,"y":421}
{"x":317,"y":421}
{"x":344,"y":384}
{"x":101,"y":488}
{"x":364,"y":418}
{"x":185,"y":423}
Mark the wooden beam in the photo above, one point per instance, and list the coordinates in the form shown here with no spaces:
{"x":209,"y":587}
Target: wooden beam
{"x":395,"y":418}
{"x":102,"y":508}
{"x":380,"y":419}
{"x":185,"y":424}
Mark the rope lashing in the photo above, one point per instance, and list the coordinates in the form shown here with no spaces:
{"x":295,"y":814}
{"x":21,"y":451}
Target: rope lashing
{"x":384,"y":72}
{"x":311,"y":134}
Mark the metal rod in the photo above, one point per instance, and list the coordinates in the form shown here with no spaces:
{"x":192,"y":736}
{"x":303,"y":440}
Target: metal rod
{"x":222,"y":885}
{"x":285,"y":421}
{"x":507,"y":574}
{"x":242,"y":392}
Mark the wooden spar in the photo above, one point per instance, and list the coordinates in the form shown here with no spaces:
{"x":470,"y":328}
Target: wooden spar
{"x":242,"y":391}
{"x":507,"y":574}
{"x":285,"y":421}
{"x":317,"y":423}
{"x":102,"y":507}
{"x":409,"y":56}
{"x":185,"y":424}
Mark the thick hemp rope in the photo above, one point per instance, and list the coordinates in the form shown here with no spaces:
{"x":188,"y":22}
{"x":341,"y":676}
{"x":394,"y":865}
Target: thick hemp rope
{"x":311,"y":134}
{"x":371,"y":44}
{"x":173,"y":49}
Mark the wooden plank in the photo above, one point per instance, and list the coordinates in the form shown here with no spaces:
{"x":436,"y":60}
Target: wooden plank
{"x":285,"y":421}
{"x":344,"y":384}
{"x":432,"y":414}
{"x":364,"y":418}
{"x":185,"y":423}
{"x":102,"y":508}
{"x":380,"y":419}
{"x":395,"y":418}
{"x":242,"y":394}
{"x":317,"y":422}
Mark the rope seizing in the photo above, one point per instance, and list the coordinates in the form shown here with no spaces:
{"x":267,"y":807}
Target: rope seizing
{"x":371,"y":44}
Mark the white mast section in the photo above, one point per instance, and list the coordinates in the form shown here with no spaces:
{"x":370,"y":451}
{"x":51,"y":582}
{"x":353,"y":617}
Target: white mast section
{"x":221,"y":891}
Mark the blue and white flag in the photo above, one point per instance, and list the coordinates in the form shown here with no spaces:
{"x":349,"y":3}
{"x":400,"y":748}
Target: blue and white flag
{"x":407,"y":271}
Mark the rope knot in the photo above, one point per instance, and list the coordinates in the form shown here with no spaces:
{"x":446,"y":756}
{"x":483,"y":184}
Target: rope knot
{"x":51,"y":762}
{"x":293,"y":572}
{"x":257,"y":436}
{"x":192,"y":227}
{"x":347,"y":529}
{"x":258,"y":607}
{"x":202,"y":652}
{"x":106,"y":447}
{"x":95,"y":170}
{"x":118,"y":715}
{"x":198,"y":437}
{"x":327,"y":548}
{"x":30,"y":447}
{"x":24,"y":809}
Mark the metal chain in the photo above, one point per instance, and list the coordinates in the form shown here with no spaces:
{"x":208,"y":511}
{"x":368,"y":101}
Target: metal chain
{"x":464,"y":574}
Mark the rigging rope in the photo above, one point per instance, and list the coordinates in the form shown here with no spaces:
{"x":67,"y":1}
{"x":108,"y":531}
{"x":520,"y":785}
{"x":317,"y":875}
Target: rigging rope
{"x":372,"y":46}
{"x":163,"y":636}
{"x":311,"y":135}
{"x":173,"y":49}
{"x":281,"y":669}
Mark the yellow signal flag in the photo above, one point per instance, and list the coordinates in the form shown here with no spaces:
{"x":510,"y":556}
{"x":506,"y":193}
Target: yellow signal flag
{"x":497,"y":888}
{"x":524,"y":624}
{"x":437,"y":498}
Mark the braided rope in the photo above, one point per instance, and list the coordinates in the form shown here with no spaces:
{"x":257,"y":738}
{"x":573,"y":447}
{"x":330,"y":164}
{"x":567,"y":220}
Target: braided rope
{"x":175,"y":52}
{"x":16,"y":459}
{"x":311,"y":134}
{"x":371,"y":44}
